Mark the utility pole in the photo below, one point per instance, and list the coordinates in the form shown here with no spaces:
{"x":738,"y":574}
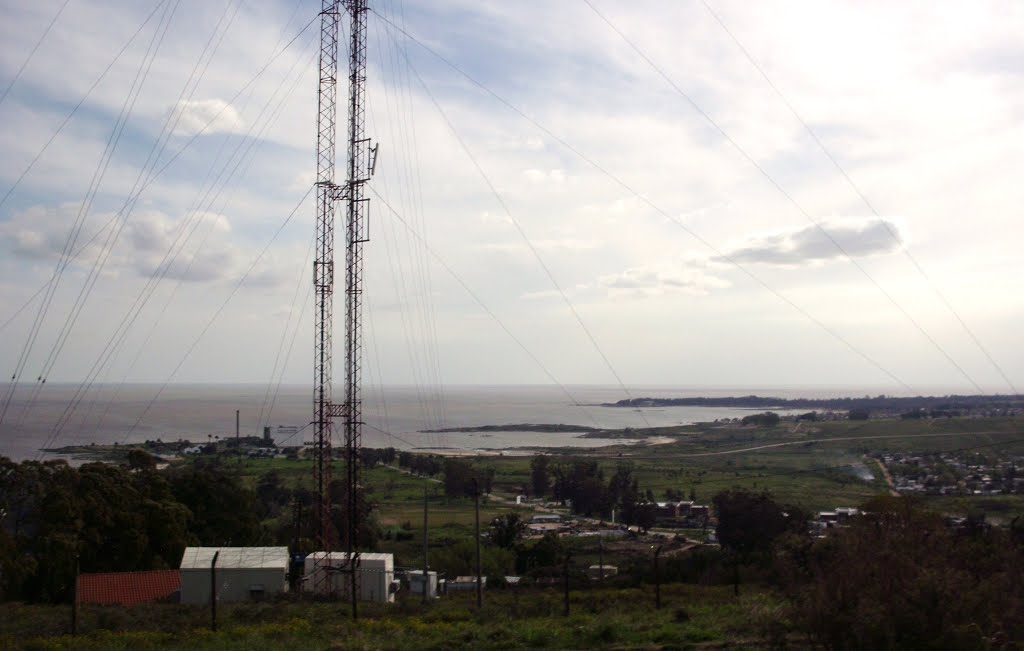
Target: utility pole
{"x":238,"y":417}
{"x":426,"y":548}
{"x":600,"y":556}
{"x":479,"y":584}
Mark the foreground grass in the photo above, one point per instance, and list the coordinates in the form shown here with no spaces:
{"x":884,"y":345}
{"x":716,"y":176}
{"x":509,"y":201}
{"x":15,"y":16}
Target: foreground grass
{"x":691,"y":616}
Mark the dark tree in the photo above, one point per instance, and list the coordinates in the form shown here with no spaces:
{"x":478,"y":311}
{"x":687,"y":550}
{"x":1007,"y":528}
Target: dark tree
{"x":458,"y":478}
{"x":506,"y":529}
{"x":539,"y":475}
{"x":748,"y":522}
{"x":223,"y":510}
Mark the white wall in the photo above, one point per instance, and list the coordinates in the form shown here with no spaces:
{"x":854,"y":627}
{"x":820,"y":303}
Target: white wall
{"x":233,"y":584}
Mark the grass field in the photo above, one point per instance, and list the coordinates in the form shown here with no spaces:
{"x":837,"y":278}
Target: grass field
{"x":815,"y":466}
{"x":691,"y":617}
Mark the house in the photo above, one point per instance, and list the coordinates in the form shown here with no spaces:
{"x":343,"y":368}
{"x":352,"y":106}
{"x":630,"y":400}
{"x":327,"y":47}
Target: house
{"x":546,"y":518}
{"x":672,"y":510}
{"x":129,"y":588}
{"x":241,"y":573}
{"x":326,"y":573}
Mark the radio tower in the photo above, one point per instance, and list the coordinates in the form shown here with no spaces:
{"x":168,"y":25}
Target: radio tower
{"x":361,"y":161}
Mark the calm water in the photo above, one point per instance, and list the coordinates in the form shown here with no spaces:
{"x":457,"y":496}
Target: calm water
{"x":395,"y":416}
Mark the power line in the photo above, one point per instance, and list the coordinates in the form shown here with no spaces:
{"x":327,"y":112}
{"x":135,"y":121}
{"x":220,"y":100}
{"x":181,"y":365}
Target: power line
{"x":77,"y":106}
{"x":219,"y":310}
{"x":98,"y":174}
{"x":849,"y":180}
{"x":476,"y":299}
{"x":246,"y":145}
{"x":789,"y":197}
{"x":646,"y":200}
{"x":32,"y":53}
{"x":154,"y":175}
{"x":526,"y":239}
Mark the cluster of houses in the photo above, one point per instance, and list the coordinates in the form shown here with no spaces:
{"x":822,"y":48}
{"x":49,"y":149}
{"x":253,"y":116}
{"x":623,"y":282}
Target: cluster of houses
{"x":951,"y":473}
{"x":825,"y":520}
{"x":681,"y":514}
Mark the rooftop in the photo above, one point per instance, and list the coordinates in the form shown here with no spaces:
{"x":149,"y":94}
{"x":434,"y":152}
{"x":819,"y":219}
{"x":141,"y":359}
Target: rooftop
{"x":235,"y":557}
{"x":127,"y":588}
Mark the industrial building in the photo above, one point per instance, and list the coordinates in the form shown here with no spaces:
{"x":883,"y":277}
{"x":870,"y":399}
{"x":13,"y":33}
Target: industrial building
{"x":241,"y":573}
{"x":325,"y":573}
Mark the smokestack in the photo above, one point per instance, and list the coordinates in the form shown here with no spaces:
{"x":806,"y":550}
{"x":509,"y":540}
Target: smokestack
{"x":237,"y":412}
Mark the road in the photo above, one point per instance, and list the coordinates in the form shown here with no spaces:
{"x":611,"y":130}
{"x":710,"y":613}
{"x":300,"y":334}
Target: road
{"x":829,"y":440}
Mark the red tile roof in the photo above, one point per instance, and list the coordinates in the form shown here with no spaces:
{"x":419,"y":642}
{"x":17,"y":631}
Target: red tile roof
{"x":128,"y":588}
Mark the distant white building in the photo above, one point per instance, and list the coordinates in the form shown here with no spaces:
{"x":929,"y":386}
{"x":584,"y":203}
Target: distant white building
{"x":242,"y":573}
{"x":324,"y":573}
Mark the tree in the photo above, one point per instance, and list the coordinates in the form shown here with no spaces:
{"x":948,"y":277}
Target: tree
{"x":223,"y":510}
{"x":458,"y":478}
{"x":858,"y":413}
{"x":899,"y":578}
{"x":460,"y":559}
{"x":539,"y":475}
{"x":748,"y":522}
{"x":506,"y":529}
{"x":767,"y":419}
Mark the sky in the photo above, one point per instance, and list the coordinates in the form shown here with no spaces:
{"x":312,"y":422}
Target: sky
{"x":766,"y":194}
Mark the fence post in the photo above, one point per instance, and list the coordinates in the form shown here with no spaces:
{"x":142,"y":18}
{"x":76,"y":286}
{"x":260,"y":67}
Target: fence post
{"x":657,"y":579}
{"x":565,"y":577}
{"x":426,"y":547}
{"x":213,"y":590}
{"x":74,"y":601}
{"x":479,"y":583}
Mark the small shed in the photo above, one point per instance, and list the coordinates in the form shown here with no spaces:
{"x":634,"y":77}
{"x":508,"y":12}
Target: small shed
{"x":325,"y":573}
{"x":418,"y":582}
{"x":242,"y":573}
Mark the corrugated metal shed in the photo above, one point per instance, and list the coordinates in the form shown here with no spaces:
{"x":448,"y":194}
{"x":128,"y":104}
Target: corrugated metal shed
{"x":242,"y":573}
{"x":235,"y":557}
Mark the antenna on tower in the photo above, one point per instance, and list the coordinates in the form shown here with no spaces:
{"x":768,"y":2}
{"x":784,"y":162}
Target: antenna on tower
{"x":361,"y":164}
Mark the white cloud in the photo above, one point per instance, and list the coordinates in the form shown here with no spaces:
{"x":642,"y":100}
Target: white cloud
{"x":208,"y":116}
{"x":649,"y":281}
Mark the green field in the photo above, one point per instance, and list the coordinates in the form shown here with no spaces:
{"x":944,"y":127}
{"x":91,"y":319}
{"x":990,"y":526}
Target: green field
{"x":815,"y":468}
{"x":691,"y":616}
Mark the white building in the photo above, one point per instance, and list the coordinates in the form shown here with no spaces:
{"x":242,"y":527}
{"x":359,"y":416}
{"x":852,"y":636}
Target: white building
{"x":242,"y":573}
{"x":324,"y":573}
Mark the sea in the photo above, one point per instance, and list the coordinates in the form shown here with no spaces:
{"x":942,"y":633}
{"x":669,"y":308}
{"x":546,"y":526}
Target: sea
{"x":58,"y":415}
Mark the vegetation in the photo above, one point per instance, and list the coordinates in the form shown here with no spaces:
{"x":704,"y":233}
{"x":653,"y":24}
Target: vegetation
{"x":900,"y":577}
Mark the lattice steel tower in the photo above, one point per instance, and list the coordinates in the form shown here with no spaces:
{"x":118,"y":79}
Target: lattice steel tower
{"x":361,"y":161}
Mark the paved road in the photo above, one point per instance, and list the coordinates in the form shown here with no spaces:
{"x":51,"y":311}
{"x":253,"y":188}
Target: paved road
{"x":837,"y":438}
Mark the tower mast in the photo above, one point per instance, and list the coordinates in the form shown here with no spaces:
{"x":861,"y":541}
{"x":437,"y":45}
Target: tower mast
{"x":361,"y":160}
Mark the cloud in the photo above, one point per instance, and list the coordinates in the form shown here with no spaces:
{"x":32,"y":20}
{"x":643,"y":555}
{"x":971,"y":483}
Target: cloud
{"x":204,"y":249}
{"x":651,"y":281}
{"x":206,"y":115}
{"x":857,"y":237}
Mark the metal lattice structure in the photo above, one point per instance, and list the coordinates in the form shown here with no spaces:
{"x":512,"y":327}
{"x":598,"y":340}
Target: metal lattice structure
{"x":361,"y":161}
